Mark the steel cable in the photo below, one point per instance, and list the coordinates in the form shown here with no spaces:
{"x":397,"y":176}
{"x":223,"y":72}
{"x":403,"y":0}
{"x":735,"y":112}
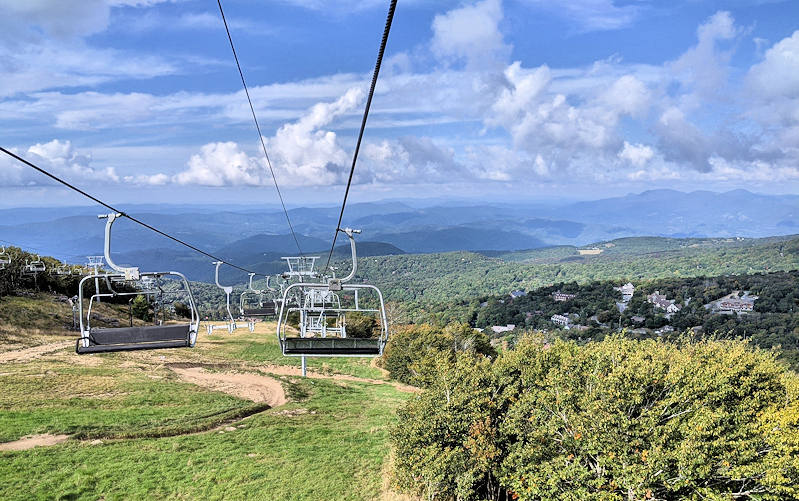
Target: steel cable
{"x":383,"y":42}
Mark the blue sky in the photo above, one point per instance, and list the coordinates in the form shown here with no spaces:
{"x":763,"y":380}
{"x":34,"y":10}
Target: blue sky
{"x":139,"y":100}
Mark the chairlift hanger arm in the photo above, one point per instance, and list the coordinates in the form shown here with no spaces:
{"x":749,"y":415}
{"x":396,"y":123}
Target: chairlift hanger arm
{"x":228,"y":289}
{"x":253,"y":289}
{"x":349,"y":232}
{"x":131,"y":273}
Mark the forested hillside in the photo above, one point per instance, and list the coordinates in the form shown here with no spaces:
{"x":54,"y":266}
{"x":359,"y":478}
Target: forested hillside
{"x":423,"y":281}
{"x":420,"y":284}
{"x":594,"y":310}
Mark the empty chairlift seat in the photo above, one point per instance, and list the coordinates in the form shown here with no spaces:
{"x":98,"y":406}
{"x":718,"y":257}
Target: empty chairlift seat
{"x":266,"y":303}
{"x":5,"y":259}
{"x":34,"y":267}
{"x":138,"y":338}
{"x":266,"y":310}
{"x":332,"y":346}
{"x":147,"y":337}
{"x":318,"y":313}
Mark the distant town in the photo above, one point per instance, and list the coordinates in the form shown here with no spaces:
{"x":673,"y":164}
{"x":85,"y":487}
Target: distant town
{"x":585,"y":309}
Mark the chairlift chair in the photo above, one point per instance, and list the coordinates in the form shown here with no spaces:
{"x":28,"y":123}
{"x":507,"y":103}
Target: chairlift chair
{"x":101,"y":340}
{"x":300,"y":267}
{"x":5,"y":259}
{"x":228,"y":290}
{"x":266,"y":305}
{"x":322,"y":302}
{"x":34,"y":267}
{"x":63,"y":270}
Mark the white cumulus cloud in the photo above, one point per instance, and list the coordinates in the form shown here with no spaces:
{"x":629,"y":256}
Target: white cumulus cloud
{"x":222,"y":164}
{"x":637,"y":154}
{"x":471,"y":33}
{"x":57,"y":157}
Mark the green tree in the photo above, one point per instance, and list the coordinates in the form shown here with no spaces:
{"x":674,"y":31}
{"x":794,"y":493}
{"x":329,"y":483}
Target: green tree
{"x":140,"y":308}
{"x":361,"y":326}
{"x":182,"y":310}
{"x":446,"y":445}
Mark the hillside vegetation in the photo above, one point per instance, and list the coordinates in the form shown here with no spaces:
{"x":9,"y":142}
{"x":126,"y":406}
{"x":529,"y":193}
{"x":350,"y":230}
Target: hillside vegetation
{"x":420,"y":282}
{"x":613,"y":420}
{"x":538,"y":417}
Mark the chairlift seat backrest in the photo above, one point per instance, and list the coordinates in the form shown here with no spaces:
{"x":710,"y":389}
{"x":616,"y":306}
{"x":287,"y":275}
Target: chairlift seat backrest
{"x":266,"y":311}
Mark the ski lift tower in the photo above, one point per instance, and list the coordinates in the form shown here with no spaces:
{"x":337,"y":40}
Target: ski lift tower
{"x":95,"y":262}
{"x":300,"y":267}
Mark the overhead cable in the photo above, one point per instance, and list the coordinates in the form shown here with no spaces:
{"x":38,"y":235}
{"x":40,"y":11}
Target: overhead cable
{"x":258,"y":127}
{"x":380,"y":53}
{"x":118,"y":211}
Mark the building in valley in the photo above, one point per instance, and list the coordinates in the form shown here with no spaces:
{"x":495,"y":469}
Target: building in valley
{"x":561,"y":320}
{"x":563,"y":297}
{"x":660,"y":301}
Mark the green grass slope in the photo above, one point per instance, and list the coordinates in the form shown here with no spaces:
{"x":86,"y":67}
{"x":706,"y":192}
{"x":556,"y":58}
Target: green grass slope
{"x":137,"y":431}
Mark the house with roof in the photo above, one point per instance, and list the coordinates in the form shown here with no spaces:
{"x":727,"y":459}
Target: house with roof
{"x":661,"y":301}
{"x":499,"y":329}
{"x":627,"y":290}
{"x":735,"y":303}
{"x":563,"y":297}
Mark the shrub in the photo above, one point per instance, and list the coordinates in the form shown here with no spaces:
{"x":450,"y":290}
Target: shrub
{"x":361,"y":326}
{"x":618,"y":419}
{"x":445,"y":444}
{"x":412,"y":352}
{"x":182,"y":310}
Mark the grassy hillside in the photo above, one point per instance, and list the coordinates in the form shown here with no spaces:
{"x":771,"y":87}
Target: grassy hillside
{"x":137,"y":430}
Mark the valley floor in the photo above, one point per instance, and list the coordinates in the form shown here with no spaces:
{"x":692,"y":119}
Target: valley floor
{"x":228,"y":419}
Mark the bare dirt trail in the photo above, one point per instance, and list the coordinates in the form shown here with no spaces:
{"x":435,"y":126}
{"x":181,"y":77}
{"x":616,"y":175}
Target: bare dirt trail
{"x":375,"y":364}
{"x":29,"y":442}
{"x":33,"y":352}
{"x":242,"y":385}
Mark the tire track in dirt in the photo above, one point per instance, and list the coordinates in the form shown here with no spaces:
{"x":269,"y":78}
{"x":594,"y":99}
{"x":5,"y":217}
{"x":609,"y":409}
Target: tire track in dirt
{"x":31,"y":441}
{"x":288,"y":370}
{"x":28,"y":354}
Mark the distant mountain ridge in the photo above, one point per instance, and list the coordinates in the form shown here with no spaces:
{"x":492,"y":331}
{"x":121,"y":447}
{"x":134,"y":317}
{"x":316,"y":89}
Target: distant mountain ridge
{"x":255,"y":235}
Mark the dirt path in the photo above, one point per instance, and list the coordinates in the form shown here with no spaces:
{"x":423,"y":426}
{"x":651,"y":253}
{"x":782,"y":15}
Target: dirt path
{"x":33,"y":352}
{"x":29,"y":442}
{"x":375,"y":364}
{"x":243,"y":385}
